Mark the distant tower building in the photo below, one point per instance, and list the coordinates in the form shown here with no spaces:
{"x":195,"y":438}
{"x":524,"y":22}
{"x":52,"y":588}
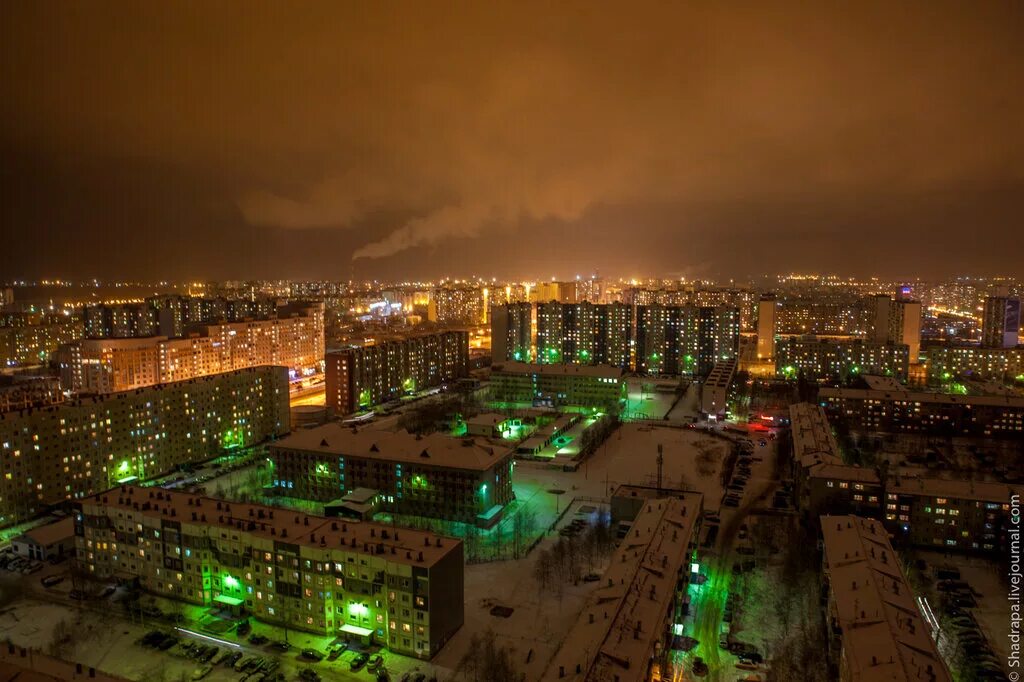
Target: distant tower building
{"x":880,"y":327}
{"x":512,"y":332}
{"x":1001,"y":324}
{"x":6,"y":297}
{"x":905,"y":326}
{"x":766,"y":326}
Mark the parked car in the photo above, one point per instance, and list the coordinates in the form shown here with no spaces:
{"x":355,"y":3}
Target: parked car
{"x":336,"y":651}
{"x":309,"y":675}
{"x":200,"y":673}
{"x":107,"y":591}
{"x":209,"y":654}
{"x":358,"y":662}
{"x":312,"y":655}
{"x":243,"y":628}
{"x":257,"y":640}
{"x":234,"y":658}
{"x":51,"y":580}
{"x":375,"y":662}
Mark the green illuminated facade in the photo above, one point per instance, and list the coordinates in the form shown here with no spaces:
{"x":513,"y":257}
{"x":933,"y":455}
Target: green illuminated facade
{"x":436,"y":475}
{"x":601,"y":386}
{"x":358,"y":581}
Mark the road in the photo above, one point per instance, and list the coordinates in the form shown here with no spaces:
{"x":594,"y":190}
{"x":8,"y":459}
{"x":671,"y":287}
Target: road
{"x":709,"y":603}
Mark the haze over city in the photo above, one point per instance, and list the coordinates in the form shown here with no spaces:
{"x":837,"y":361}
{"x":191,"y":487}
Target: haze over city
{"x":511,"y":342}
{"x":420,"y":140}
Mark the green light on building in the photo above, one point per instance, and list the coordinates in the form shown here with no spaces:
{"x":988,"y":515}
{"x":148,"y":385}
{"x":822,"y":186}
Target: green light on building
{"x":409,"y":385}
{"x":358,"y":609}
{"x":321,"y":469}
{"x":364,"y":398}
{"x":231,"y":582}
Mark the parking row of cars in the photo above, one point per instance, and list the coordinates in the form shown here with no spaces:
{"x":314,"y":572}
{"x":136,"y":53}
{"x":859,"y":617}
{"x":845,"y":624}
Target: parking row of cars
{"x":972,"y":648}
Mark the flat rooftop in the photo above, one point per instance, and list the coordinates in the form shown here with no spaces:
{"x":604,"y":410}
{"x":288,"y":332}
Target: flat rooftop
{"x":559,"y":369}
{"x":401,"y":545}
{"x":812,"y":434}
{"x":52,"y":533}
{"x":884,"y":635}
{"x":615,"y":634}
{"x":27,"y":665}
{"x":436,"y":449}
{"x":923,"y":397}
{"x":940,"y":487}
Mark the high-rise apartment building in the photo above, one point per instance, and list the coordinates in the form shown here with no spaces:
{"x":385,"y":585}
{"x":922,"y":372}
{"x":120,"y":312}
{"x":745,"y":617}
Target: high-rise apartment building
{"x":33,"y":339}
{"x":1000,"y":326}
{"x":362,"y":376}
{"x":457,"y":305}
{"x":120,"y":321}
{"x":295,"y":341}
{"x":78,"y":447}
{"x":766,"y":307}
{"x":365,"y":582}
{"x":584,"y":333}
{"x":685,"y":340}
{"x":905,"y":326}
{"x":512,"y":332}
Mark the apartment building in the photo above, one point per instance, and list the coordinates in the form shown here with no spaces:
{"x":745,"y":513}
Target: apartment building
{"x":898,"y":410}
{"x":360,"y":581}
{"x":716,"y":390}
{"x":75,"y":448}
{"x":101,"y":366}
{"x":876,"y":629}
{"x":823,"y":482}
{"x":512,"y":332}
{"x":831,"y":360}
{"x":584,"y":333}
{"x":946,"y":363}
{"x":31,"y":339}
{"x":361,"y":376}
{"x":435,"y":475}
{"x":971,"y":516}
{"x":597,"y":386}
{"x":687,"y":340}
{"x":627,"y":625}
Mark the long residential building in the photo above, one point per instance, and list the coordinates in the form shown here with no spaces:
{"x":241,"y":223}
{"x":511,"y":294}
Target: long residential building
{"x":897,"y":410}
{"x":584,"y":333}
{"x":826,"y":359}
{"x":824,"y":483}
{"x":946,"y":363}
{"x":360,"y":581}
{"x":951,"y":515}
{"x":597,"y":386}
{"x":626,"y":628}
{"x":362,"y":376}
{"x":972,"y":516}
{"x":435,"y":475}
{"x":877,"y":631}
{"x":78,"y":447}
{"x":111,"y":365}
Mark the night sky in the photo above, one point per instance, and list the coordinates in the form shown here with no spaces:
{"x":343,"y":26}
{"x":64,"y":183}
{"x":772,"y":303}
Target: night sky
{"x":420,"y":139}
